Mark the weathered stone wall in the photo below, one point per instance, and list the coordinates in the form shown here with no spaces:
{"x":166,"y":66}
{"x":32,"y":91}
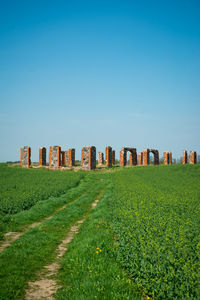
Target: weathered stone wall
{"x":185,"y":158}
{"x":167,"y":156}
{"x":132,"y":156}
{"x":25,"y":157}
{"x":88,"y":157}
{"x":146,"y":156}
{"x":62,"y":153}
{"x":140,"y":159}
{"x":113,"y":157}
{"x":108,"y":156}
{"x":71,"y":157}
{"x":100,"y":158}
{"x":192,"y":157}
{"x":42,"y":156}
{"x":55,"y":156}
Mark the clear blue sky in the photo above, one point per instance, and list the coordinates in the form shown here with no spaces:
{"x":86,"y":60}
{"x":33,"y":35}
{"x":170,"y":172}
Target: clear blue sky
{"x":119,"y":73}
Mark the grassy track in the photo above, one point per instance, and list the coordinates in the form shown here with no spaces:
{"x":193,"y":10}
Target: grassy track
{"x":89,"y":269}
{"x":43,"y":209}
{"x":20,"y":262}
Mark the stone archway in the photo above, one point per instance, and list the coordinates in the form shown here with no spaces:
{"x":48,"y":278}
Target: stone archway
{"x":146,"y":156}
{"x":132,"y":156}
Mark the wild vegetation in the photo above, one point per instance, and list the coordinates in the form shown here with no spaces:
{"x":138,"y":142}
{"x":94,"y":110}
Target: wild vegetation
{"x":140,"y":242}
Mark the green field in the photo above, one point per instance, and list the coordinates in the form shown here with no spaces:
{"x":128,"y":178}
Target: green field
{"x":141,"y":241}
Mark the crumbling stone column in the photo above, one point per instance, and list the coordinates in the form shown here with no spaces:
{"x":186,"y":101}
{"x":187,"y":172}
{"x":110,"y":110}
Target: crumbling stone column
{"x":133,"y":157}
{"x":123,"y":157}
{"x":42,"y":156}
{"x":140,"y":159}
{"x":108,"y":156}
{"x":146,"y":159}
{"x":113,"y":157}
{"x":185,"y":160}
{"x":25,"y":157}
{"x":54,"y":156}
{"x":71,"y":157}
{"x":100,"y":158}
{"x":167,"y":156}
{"x":88,"y":157}
{"x":192,"y":157}
{"x":62,"y":154}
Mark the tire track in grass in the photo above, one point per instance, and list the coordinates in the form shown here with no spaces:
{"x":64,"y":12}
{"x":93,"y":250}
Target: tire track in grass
{"x":10,"y":237}
{"x":46,"y":286}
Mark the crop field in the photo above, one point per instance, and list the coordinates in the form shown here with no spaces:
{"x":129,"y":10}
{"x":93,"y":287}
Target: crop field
{"x":130,"y":233}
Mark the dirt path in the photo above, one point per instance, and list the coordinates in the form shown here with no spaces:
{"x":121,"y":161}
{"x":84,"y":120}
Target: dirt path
{"x":10,"y":237}
{"x":46,"y":286}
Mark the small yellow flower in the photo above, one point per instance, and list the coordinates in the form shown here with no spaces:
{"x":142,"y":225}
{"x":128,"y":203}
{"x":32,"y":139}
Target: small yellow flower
{"x":95,"y":296}
{"x":100,"y":250}
{"x":148,"y":297}
{"x":97,"y":252}
{"x":90,"y":271}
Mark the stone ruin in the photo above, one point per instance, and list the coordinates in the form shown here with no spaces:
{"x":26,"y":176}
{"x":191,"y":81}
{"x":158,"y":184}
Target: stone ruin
{"x":59,"y":158}
{"x":184,"y":157}
{"x":192,"y":157}
{"x":25,"y":157}
{"x":100,"y":158}
{"x":146,"y":156}
{"x":140,"y":159}
{"x":109,"y":156}
{"x":42,"y":156}
{"x":113,"y":157}
{"x":54,"y":156}
{"x":71,"y":157}
{"x":132,"y":156}
{"x":88,"y":157}
{"x":167,"y":156}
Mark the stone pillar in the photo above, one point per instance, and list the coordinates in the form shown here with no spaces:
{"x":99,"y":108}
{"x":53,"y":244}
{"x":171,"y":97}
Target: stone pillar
{"x":185,"y":160}
{"x":192,"y":157}
{"x":62,"y":159}
{"x":55,"y":156}
{"x":170,"y":158}
{"x":109,"y":156}
{"x":100,"y":158}
{"x":146,"y":157}
{"x":88,"y":157}
{"x":123,"y":159}
{"x":65,"y":158}
{"x":140,"y":159}
{"x":133,"y":158}
{"x":25,"y":157}
{"x":71,"y":157}
{"x":113,"y":157}
{"x":167,"y":158}
{"x":42,"y":156}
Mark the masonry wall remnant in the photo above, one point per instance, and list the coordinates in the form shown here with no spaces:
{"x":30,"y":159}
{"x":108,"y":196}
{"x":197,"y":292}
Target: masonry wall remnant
{"x":167,"y":156}
{"x":132,"y":156}
{"x":108,"y":156}
{"x":140,"y":159}
{"x":25,"y":157}
{"x":185,"y":157}
{"x":146,"y":156}
{"x":88,"y":157}
{"x":71,"y":157}
{"x":192,"y":157}
{"x":42,"y":156}
{"x":113,"y":157}
{"x":62,"y":154}
{"x":54,"y":156}
{"x":100,"y":158}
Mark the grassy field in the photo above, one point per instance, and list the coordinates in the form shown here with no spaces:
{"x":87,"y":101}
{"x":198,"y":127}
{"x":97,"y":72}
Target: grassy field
{"x":141,"y":241}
